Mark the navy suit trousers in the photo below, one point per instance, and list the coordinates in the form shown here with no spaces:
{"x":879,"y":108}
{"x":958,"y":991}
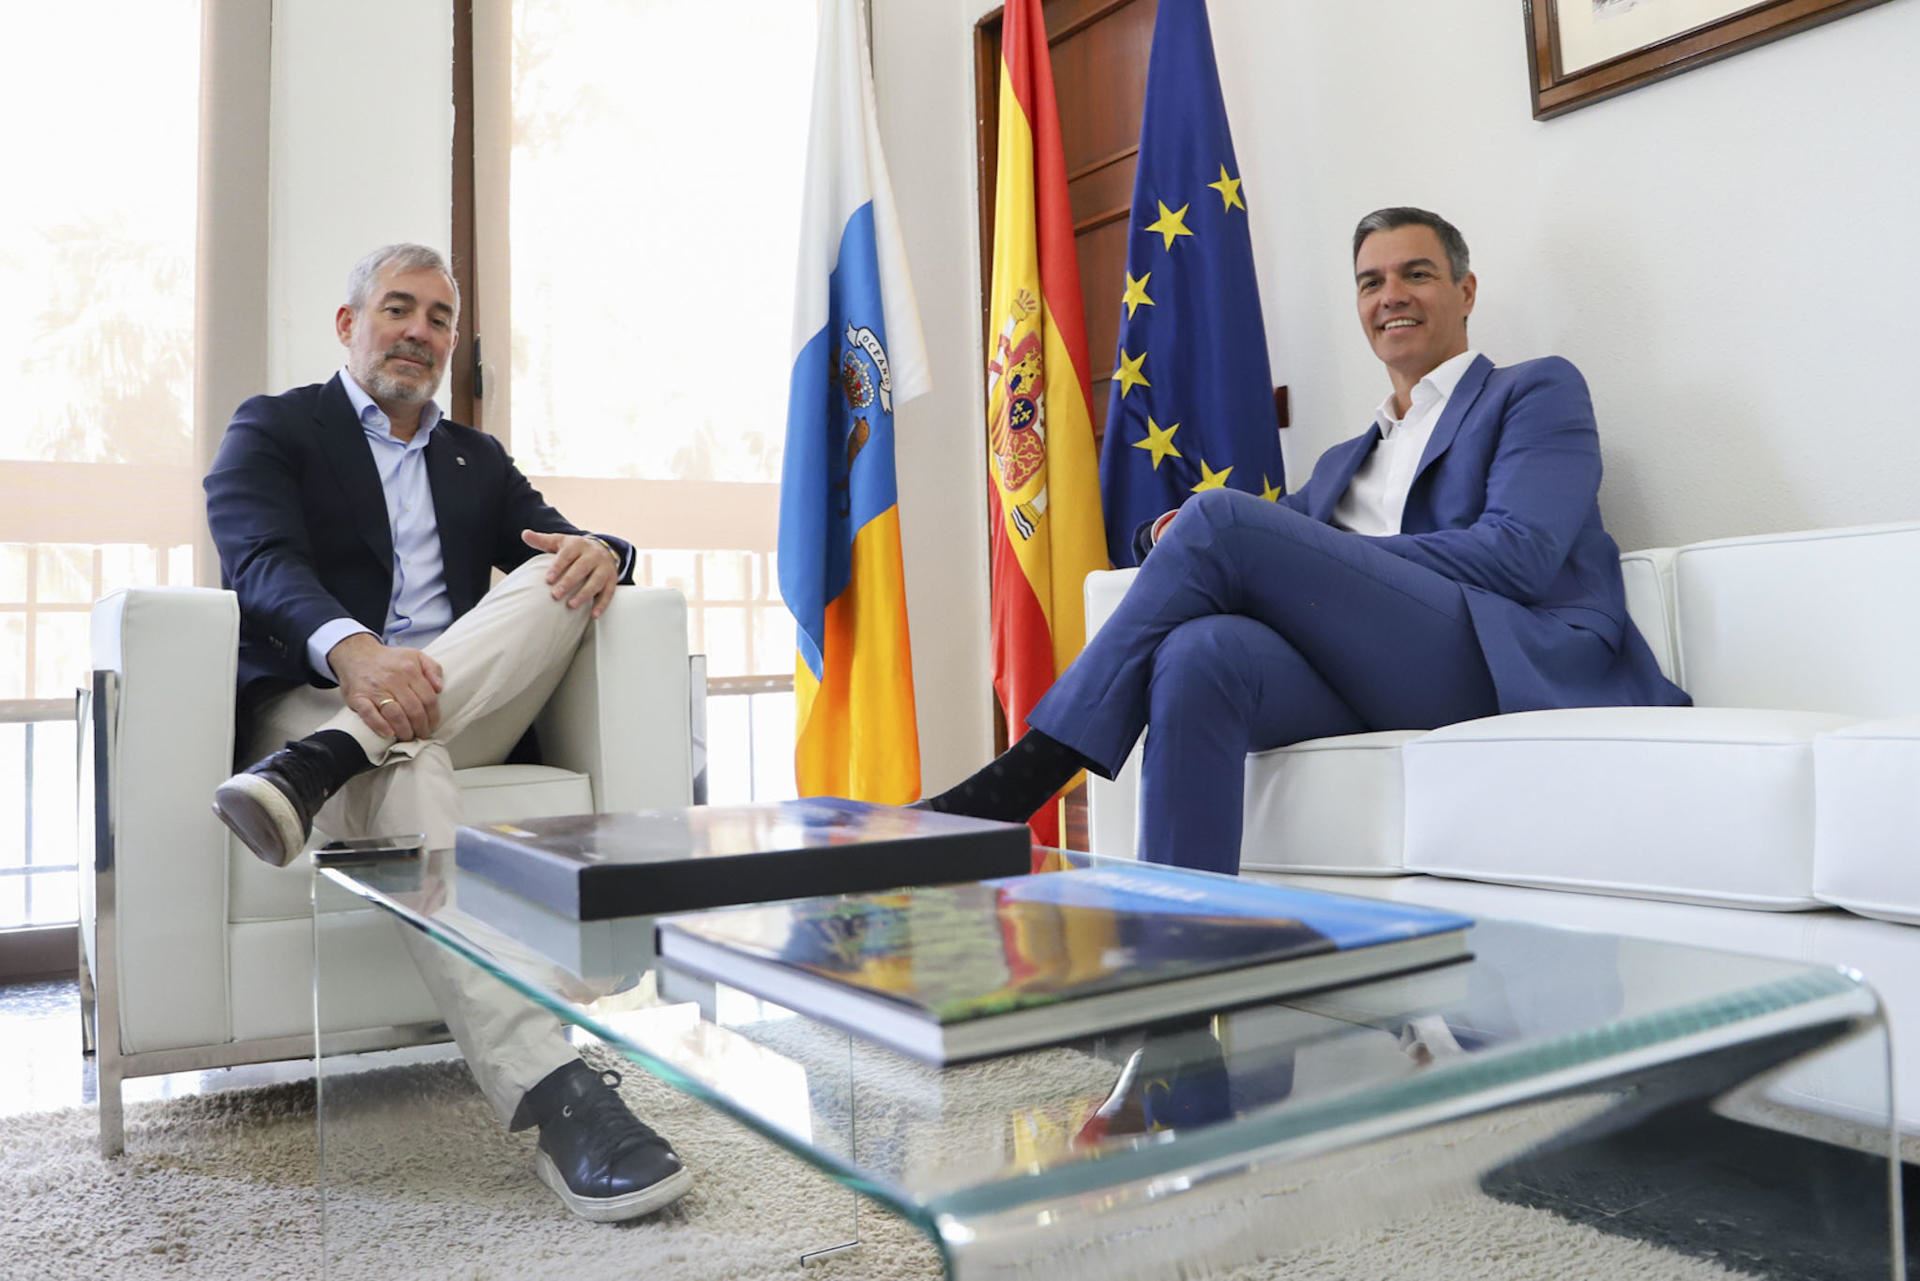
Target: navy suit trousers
{"x":1249,"y":627}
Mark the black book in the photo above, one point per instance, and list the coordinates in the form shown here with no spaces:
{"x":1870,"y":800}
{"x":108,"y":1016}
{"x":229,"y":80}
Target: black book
{"x":596,"y":866}
{"x":960,"y":971}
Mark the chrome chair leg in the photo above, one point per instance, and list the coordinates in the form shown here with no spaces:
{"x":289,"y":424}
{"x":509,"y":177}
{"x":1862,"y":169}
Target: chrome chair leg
{"x":88,"y":1035}
{"x":105,"y":984}
{"x":113,"y":1133}
{"x":83,"y":775}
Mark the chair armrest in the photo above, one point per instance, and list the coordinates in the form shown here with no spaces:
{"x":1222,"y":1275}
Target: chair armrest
{"x":1112,"y":807}
{"x":621,"y":712}
{"x":172,"y":653}
{"x":1647,"y":577}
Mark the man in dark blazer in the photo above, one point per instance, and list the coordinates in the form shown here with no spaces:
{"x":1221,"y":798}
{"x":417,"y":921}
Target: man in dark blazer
{"x":359,"y":528}
{"x":1447,"y":563}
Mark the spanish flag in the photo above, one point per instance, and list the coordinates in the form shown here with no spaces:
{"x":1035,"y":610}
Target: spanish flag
{"x":858,"y":354}
{"x":1046,"y":533}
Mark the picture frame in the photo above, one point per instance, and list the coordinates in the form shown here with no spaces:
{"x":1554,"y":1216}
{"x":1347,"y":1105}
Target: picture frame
{"x":1580,"y":52}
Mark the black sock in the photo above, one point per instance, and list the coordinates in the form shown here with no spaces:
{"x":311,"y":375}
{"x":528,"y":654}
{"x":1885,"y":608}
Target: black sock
{"x":1015,"y":784}
{"x":345,"y":756}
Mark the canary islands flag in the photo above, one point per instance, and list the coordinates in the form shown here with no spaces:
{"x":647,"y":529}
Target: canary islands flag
{"x":858,"y":355}
{"x":1191,"y":405}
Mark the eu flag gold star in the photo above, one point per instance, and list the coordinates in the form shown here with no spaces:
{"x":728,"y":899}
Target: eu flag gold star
{"x":1229,"y":189}
{"x":1211,"y":479}
{"x":1169,"y":223}
{"x":1267,"y":489}
{"x":1159,"y":441}
{"x":1129,"y":372}
{"x":1136,"y":295}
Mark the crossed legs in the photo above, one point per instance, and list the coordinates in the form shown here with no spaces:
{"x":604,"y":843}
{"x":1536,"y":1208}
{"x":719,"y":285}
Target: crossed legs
{"x":1250,"y":627}
{"x":502,"y":661}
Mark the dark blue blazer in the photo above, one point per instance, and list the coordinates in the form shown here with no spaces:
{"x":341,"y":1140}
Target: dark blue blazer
{"x":298,"y":515}
{"x":1506,"y":503}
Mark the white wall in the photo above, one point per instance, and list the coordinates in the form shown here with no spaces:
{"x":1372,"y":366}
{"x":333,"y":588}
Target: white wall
{"x":1728,"y":255}
{"x":359,"y":138}
{"x":923,"y":78}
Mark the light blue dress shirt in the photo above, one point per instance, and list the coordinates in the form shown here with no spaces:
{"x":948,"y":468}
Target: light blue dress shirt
{"x":419,"y":609}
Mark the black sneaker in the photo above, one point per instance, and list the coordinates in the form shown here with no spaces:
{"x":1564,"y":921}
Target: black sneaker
{"x":270,"y":807}
{"x":595,"y":1154}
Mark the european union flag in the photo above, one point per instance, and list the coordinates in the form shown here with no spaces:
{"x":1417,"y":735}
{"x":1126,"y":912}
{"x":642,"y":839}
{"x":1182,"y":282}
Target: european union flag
{"x":1192,"y":400}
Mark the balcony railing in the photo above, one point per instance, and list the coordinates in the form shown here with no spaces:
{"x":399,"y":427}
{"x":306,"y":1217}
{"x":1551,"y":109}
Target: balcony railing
{"x":750,"y":757}
{"x":38,"y":863}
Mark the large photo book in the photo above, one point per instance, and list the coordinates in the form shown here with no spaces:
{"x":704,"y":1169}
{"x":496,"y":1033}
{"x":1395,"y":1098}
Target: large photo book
{"x":952,"y":972}
{"x":597,"y":866}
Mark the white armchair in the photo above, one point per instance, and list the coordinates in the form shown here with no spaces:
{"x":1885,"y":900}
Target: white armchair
{"x":193,"y":953}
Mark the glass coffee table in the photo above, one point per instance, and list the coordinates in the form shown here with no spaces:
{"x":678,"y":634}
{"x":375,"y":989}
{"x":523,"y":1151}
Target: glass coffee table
{"x":1593,"y":1076}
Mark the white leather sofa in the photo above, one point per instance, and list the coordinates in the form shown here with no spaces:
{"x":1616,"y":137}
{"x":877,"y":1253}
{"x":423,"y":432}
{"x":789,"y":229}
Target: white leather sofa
{"x":1779,"y":815}
{"x":194,"y":954}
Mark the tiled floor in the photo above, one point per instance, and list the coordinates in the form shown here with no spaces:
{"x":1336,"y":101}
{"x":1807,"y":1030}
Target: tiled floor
{"x":41,"y":1069}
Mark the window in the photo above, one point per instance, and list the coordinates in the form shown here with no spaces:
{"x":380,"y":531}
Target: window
{"x":99,"y":486}
{"x":648,"y":228}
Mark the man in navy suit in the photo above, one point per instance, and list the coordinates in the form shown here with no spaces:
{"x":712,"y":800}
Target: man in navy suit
{"x":1446,"y":564}
{"x":359,"y":527}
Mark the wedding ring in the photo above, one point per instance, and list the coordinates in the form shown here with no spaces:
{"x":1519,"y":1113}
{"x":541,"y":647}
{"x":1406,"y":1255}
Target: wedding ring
{"x":383,"y":702}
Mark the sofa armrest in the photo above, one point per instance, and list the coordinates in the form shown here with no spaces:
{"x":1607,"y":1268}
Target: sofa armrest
{"x":621,"y":714}
{"x":1112,"y":807}
{"x":171,"y":653}
{"x":1647,"y":577}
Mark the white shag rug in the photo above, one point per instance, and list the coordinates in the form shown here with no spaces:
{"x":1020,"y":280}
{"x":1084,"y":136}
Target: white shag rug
{"x":223,"y":1185}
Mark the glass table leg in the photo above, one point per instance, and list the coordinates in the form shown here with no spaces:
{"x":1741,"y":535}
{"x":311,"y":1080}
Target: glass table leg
{"x":853,"y":1198}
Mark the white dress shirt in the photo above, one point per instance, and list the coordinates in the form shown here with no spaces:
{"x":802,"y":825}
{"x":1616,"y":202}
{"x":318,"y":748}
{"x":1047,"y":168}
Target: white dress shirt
{"x":1376,"y":498}
{"x":419,"y":609}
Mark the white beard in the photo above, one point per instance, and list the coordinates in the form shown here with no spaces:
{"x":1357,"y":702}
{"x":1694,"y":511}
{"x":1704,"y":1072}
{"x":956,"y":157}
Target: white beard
{"x":383,"y":386}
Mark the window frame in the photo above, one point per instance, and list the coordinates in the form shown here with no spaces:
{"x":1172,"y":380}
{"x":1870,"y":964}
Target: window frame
{"x":685,"y":516}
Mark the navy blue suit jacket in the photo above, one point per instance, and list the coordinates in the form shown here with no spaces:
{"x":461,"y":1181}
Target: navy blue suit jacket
{"x":298,"y":515}
{"x":1505,"y":502}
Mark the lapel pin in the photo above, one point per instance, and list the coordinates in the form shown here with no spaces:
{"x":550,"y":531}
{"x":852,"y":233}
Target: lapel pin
{"x":460,"y":460}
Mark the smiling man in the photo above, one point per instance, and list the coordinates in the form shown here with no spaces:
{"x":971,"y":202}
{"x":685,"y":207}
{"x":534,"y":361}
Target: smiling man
{"x":1447,"y":563}
{"x":359,"y":527}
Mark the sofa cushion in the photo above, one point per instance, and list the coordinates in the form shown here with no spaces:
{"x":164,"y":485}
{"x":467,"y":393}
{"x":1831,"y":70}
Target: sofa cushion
{"x":496,"y":793}
{"x":488,"y":794}
{"x":1817,"y":621}
{"x":1695,"y":805}
{"x":1866,"y":841}
{"x":372,"y":978}
{"x":1329,"y":805}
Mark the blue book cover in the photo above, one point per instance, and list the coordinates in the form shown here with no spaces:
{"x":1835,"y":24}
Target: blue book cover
{"x":948,"y":955}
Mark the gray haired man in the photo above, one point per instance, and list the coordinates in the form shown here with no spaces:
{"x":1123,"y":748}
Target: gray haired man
{"x":359,"y":528}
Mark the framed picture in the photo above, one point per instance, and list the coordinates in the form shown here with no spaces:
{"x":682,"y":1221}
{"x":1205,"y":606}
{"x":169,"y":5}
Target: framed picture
{"x":1580,"y":51}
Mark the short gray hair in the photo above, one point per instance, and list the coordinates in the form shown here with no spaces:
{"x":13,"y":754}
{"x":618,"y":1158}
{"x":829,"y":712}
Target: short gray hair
{"x":404,"y":257}
{"x":1407,"y":216}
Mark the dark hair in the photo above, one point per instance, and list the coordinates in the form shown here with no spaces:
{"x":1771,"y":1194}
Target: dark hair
{"x":1406,"y":216}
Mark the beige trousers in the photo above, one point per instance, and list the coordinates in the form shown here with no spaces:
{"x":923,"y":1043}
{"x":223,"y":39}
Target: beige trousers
{"x":501,"y":661}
